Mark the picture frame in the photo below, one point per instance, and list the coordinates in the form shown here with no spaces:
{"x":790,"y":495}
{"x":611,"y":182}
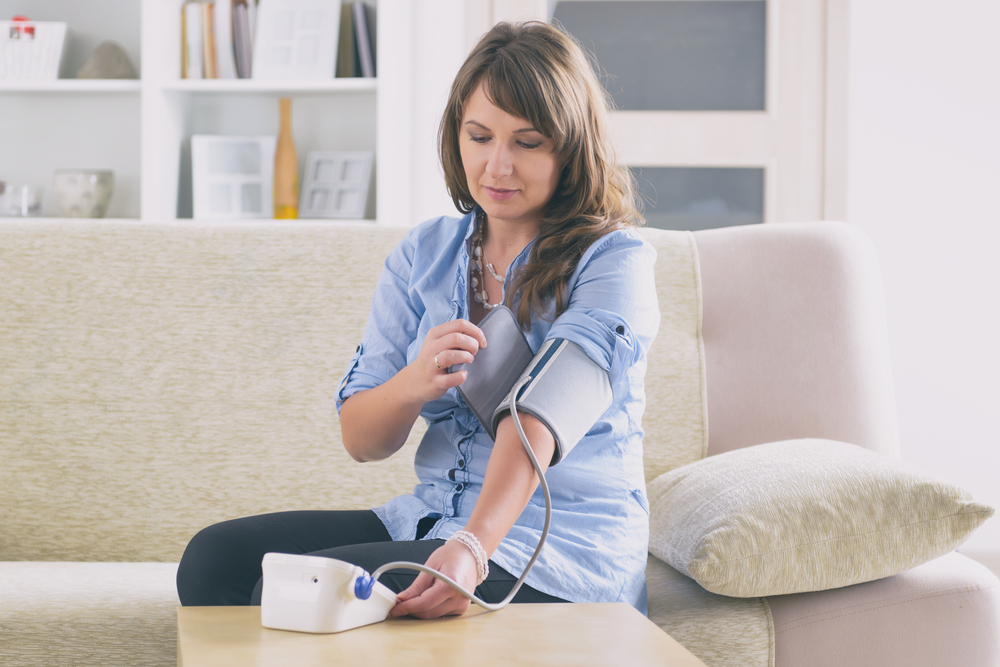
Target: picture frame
{"x":232,"y":177}
{"x":336,"y":184}
{"x":296,"y":39}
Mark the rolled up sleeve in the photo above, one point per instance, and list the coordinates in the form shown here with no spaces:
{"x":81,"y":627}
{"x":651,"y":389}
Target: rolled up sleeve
{"x":612,"y":311}
{"x":392,"y":325}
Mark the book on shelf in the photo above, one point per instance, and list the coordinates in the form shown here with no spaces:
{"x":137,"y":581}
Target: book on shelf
{"x":252,"y":11}
{"x":226,"y":59}
{"x":298,"y":39}
{"x":191,"y":34}
{"x":208,"y":41}
{"x":242,"y":39}
{"x":364,"y":32}
{"x":346,"y":45}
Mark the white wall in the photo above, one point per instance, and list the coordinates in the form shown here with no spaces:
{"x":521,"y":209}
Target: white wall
{"x":439,"y":50}
{"x":923,"y":180}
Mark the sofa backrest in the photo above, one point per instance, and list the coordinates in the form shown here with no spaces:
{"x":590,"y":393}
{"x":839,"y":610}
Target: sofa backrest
{"x":157,"y":378}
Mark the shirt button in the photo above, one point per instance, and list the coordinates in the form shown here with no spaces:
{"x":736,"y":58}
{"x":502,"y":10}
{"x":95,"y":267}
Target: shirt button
{"x":459,"y":487}
{"x":620,"y":330}
{"x":461,"y":463}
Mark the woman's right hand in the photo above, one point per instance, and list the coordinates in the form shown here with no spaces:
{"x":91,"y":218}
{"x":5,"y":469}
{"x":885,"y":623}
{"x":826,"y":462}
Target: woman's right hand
{"x":375,"y":423}
{"x":448,"y":344}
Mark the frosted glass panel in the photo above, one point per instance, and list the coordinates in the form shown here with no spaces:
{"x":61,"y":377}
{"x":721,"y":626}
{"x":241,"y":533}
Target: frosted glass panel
{"x":700,"y":197}
{"x":675,"y":55}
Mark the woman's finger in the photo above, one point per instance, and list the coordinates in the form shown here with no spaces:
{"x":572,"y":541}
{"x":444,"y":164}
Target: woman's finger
{"x":415,"y":590}
{"x":451,"y":357}
{"x":459,"y":327}
{"x":435,"y":601}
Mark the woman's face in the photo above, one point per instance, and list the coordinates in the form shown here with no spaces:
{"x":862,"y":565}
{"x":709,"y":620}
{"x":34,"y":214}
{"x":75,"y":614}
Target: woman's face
{"x":510,"y":167}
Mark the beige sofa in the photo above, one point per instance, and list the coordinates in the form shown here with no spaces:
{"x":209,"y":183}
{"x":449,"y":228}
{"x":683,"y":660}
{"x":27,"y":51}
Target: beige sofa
{"x":157,"y":378}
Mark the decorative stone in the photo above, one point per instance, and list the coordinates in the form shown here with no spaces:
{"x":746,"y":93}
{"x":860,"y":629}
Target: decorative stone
{"x":108,"y":61}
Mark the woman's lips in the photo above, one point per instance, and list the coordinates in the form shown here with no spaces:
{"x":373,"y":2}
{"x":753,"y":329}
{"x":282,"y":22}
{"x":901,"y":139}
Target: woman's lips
{"x":499,"y":194}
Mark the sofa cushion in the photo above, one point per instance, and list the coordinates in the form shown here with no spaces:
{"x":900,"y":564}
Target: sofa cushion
{"x":92,"y":614}
{"x":803,"y":515}
{"x":722,"y":631}
{"x":944,"y":612}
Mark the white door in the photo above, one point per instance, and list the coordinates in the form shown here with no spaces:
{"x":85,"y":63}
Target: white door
{"x":730,"y":111}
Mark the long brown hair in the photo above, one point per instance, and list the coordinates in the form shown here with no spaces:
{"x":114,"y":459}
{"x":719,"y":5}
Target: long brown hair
{"x":534,"y":71}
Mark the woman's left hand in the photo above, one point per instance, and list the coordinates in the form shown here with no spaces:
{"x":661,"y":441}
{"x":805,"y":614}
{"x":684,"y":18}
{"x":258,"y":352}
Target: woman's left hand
{"x":429,"y":597}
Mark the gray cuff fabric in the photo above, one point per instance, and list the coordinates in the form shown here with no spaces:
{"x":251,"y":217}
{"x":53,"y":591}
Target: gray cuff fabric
{"x":566,"y":391}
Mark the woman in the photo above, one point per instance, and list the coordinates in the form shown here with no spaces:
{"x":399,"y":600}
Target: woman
{"x":547,"y":232}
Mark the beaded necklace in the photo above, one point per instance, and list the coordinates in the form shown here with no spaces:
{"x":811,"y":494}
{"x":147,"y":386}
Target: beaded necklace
{"x":476,"y":271}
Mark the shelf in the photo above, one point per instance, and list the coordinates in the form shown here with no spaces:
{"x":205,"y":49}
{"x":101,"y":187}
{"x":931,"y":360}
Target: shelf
{"x":244,"y":86}
{"x":252,"y":222}
{"x":245,"y":222}
{"x":125,"y":86}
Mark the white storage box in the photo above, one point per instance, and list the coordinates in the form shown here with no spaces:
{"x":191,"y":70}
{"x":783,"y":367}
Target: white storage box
{"x":31,"y":49}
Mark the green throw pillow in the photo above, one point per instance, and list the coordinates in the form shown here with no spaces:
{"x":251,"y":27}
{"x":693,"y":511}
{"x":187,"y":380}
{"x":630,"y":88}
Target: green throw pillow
{"x":803,"y":515}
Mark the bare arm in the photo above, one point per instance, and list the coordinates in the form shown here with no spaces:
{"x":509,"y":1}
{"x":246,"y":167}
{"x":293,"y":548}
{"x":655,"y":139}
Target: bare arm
{"x":374,"y":423}
{"x":510,"y":482}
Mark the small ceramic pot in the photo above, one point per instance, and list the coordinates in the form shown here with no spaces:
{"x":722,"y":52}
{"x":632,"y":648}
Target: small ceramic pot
{"x":83,"y":193}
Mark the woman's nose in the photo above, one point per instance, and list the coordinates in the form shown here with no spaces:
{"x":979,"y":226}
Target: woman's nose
{"x":499,"y":164}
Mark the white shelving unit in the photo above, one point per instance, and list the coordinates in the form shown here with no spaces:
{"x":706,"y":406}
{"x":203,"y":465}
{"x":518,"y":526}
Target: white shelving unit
{"x":250,"y":86}
{"x":71,"y":86}
{"x":142,"y":129}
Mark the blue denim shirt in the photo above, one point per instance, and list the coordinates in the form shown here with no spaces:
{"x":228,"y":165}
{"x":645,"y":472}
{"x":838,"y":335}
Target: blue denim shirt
{"x":596,"y":549}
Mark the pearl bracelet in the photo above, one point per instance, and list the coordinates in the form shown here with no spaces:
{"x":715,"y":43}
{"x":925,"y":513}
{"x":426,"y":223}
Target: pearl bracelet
{"x":471,"y":542}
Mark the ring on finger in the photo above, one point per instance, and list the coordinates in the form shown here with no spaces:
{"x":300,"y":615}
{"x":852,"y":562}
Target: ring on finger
{"x":440,"y":368}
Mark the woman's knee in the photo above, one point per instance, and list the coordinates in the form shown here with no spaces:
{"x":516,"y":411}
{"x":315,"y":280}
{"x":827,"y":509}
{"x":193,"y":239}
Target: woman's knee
{"x":215,"y":565}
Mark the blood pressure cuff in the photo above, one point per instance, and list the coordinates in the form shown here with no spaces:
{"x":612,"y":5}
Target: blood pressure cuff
{"x":496,"y":367}
{"x":566,"y":391}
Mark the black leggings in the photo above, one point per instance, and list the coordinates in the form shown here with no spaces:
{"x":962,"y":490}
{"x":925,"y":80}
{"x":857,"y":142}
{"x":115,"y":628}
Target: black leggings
{"x":221,"y":565}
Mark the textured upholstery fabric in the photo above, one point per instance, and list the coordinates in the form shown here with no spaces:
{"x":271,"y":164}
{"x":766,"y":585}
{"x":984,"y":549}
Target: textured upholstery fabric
{"x":795,"y":516}
{"x":722,"y":631}
{"x":163,"y":377}
{"x":676,"y":417}
{"x":795,"y":335}
{"x":88,"y":614}
{"x":944,"y":612}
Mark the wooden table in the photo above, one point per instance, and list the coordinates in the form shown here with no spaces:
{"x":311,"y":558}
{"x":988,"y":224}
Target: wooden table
{"x":521,"y":634}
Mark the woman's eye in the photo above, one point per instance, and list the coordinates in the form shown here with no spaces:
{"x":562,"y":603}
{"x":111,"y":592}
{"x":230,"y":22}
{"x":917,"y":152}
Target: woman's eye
{"x":479,"y":139}
{"x":529,"y":146}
